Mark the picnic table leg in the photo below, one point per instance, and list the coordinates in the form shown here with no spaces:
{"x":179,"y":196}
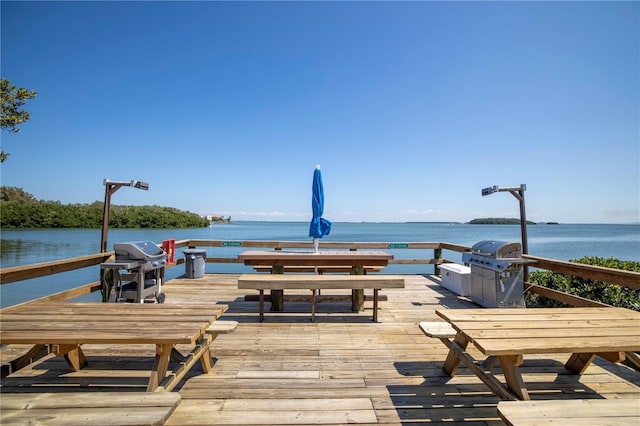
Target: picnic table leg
{"x":72,"y":354}
{"x":511,"y":369}
{"x":375,"y":305}
{"x":261,"y":304}
{"x":205,"y":358}
{"x":483,"y":373}
{"x":201,"y":352}
{"x":357,"y":295}
{"x":277,"y":296}
{"x":579,"y":362}
{"x":453,"y":360}
{"x":277,"y":300}
{"x":357,"y":300}
{"x":313,"y":305}
{"x":160,"y":365}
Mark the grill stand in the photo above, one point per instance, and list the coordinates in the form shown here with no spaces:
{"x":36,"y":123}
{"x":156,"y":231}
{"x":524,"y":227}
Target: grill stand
{"x":493,"y":289}
{"x":132,"y":281}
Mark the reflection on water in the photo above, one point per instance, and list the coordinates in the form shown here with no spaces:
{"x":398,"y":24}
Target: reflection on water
{"x":21,"y":251}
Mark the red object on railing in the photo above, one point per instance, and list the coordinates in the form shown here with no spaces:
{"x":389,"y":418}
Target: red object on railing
{"x":169,"y":246}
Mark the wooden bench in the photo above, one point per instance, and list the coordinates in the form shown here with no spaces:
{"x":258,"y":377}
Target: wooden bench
{"x":88,"y":408}
{"x":318,"y":269}
{"x":438,"y":329}
{"x":575,"y":412}
{"x":221,"y":327}
{"x":355,"y":283}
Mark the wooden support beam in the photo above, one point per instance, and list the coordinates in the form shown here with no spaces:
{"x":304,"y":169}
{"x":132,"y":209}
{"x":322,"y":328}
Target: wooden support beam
{"x":35,"y":353}
{"x":484,"y":375}
{"x":72,"y":354}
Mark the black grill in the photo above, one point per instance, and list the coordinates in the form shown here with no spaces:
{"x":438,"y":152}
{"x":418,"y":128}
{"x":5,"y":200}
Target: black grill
{"x":136,"y":274}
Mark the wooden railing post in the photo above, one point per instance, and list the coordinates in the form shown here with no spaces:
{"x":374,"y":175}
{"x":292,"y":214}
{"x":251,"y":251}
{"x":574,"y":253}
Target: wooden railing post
{"x":437,"y":257}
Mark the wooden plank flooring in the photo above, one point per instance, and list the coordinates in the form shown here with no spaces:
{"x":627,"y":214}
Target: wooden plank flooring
{"x":343,"y":368}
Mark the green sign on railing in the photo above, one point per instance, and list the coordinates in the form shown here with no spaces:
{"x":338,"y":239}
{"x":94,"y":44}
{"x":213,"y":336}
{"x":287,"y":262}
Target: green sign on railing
{"x":398,"y":245}
{"x":232,"y":244}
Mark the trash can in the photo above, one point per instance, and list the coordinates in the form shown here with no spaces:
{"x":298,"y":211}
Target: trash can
{"x":194,"y":260}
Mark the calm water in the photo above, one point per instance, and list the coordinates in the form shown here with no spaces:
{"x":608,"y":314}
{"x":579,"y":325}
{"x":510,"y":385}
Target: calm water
{"x":564,"y":242}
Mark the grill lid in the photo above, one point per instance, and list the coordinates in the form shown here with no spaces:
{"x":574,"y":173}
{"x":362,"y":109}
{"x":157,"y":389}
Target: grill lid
{"x":495,"y":255}
{"x":497,"y":249}
{"x":139,"y":250}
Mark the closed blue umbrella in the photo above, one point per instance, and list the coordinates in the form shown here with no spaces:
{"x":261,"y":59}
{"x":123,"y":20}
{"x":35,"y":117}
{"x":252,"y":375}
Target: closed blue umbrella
{"x":319,"y":226}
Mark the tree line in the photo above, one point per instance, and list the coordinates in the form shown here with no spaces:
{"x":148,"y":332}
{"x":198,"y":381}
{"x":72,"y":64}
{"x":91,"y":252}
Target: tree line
{"x":20,"y":209}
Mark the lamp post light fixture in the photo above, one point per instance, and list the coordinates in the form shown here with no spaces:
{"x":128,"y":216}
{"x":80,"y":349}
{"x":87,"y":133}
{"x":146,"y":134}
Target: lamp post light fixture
{"x":517,"y":192}
{"x":109,"y":188}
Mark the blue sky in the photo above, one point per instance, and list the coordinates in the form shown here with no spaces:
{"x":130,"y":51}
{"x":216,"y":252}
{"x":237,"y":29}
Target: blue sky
{"x":411,"y":108}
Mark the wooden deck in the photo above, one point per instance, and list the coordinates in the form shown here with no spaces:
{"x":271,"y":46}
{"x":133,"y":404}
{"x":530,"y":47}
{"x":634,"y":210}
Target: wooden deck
{"x":342,"y":368}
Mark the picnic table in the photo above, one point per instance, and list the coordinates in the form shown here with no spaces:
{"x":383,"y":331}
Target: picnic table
{"x":506,"y":335}
{"x":279,"y":260}
{"x":67,"y":326}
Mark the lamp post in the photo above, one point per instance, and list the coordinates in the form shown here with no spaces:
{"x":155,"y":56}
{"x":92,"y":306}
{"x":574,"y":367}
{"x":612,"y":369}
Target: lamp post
{"x":109,"y":188}
{"x":517,"y":192}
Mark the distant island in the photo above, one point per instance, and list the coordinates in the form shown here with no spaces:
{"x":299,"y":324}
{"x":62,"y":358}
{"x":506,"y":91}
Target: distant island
{"x":498,"y":221}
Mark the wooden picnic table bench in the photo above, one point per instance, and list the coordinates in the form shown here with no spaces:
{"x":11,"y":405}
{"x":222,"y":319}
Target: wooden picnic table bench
{"x":316,"y":282}
{"x":506,"y":335}
{"x":67,"y":326}
{"x":88,"y":408}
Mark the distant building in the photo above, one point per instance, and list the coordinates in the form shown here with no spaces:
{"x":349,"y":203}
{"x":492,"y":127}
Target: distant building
{"x":218,"y":218}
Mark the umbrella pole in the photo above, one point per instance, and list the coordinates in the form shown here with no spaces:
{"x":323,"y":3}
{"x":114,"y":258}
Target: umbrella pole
{"x":316,"y":243}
